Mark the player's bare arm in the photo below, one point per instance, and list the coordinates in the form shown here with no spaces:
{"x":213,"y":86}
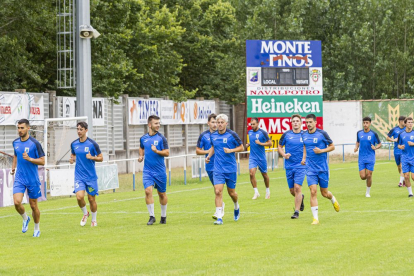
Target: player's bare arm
{"x":282,"y":152}
{"x":164,"y":152}
{"x":36,"y":161}
{"x":392,"y":139}
{"x":356,"y":147}
{"x":376,"y":147}
{"x":200,"y":151}
{"x":14,"y":165}
{"x":238,"y":149}
{"x":303,"y":162}
{"x":210,"y":153}
{"x":72,"y":158}
{"x":330,"y":148}
{"x":141,"y":155}
{"x":98,"y":158}
{"x":266,"y":144}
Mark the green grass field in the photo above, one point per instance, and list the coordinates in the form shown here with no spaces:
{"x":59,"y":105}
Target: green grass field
{"x":369,"y":236}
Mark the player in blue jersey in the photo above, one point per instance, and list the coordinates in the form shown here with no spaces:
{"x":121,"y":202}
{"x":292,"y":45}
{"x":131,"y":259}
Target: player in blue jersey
{"x":85,"y":152}
{"x":225,"y":143}
{"x":367,"y":143}
{"x":153,"y":147}
{"x":28,"y":154}
{"x":203,"y":148}
{"x":295,"y":160}
{"x":259,"y":139}
{"x":317,"y":144}
{"x":406,"y":144}
{"x":393,"y":137}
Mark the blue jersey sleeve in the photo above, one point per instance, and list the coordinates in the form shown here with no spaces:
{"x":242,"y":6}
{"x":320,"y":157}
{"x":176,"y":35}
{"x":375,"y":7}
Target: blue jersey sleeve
{"x":71,"y":149}
{"x":400,"y":141}
{"x":236,"y":137}
{"x":141,"y":145}
{"x":200,"y":142}
{"x":391,"y":133}
{"x":358,"y":137}
{"x":282,"y":140}
{"x":39,"y":149}
{"x":327,"y":139}
{"x":164,"y":143}
{"x":96,"y":146}
{"x":265,"y":134}
{"x":377,"y":139}
{"x":14,"y":149}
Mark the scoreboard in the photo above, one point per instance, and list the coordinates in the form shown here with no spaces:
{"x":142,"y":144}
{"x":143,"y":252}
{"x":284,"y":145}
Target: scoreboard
{"x":285,"y":76}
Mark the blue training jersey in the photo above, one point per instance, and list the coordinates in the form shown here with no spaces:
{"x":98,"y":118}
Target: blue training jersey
{"x":225,"y":162}
{"x":316,"y":162}
{"x":366,"y":140}
{"x":85,"y":168}
{"x":26,"y":172}
{"x":394,"y":134}
{"x":293,"y":143}
{"x":257,"y":152}
{"x":408,"y":152}
{"x":204,"y":143}
{"x":153,"y":163}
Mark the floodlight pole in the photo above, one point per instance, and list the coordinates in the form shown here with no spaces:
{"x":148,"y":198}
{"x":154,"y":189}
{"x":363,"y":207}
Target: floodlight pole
{"x":83,"y":65}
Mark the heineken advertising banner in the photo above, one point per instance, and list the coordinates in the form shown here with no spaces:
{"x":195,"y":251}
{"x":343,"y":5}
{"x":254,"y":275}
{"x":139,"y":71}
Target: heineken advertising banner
{"x":385,"y":114}
{"x":283,"y":78}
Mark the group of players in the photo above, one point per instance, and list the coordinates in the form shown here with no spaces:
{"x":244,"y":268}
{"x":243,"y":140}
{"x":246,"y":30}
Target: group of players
{"x":305,"y":154}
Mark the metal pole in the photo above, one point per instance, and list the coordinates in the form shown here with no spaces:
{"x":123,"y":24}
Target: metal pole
{"x":83,"y":65}
{"x":185,"y":170}
{"x":389,"y":151}
{"x":133,"y":175}
{"x":343,"y":153}
{"x":169,"y":172}
{"x":273,"y":159}
{"x":238,"y":162}
{"x":199,"y":168}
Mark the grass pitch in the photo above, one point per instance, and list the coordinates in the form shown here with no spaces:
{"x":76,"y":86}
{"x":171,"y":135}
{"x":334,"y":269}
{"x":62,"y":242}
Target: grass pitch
{"x":369,"y":236}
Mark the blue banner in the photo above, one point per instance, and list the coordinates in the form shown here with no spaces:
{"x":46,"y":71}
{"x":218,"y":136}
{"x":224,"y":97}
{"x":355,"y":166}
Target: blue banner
{"x":283,"y":53}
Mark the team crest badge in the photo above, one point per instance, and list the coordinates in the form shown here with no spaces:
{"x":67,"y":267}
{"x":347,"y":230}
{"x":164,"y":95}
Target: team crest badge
{"x":257,"y":136}
{"x":315,"y":140}
{"x":411,"y":137}
{"x":156,"y":143}
{"x":26,"y":150}
{"x":301,"y":139}
{"x":315,"y":74}
{"x":86,"y":149}
{"x":225,"y":140}
{"x":369,"y":137}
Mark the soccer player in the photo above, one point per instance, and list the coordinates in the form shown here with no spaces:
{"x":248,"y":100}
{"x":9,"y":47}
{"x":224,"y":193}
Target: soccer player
{"x":224,"y":144}
{"x":154,"y":147}
{"x":28,"y":154}
{"x":393,"y":137}
{"x":406,"y":144}
{"x":295,"y":159}
{"x":259,"y":139}
{"x":317,"y":143}
{"x":203,"y":148}
{"x":367,"y":143}
{"x":85,"y":152}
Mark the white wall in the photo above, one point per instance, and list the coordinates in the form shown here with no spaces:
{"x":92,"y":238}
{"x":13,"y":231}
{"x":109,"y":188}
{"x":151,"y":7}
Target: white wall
{"x":342,"y":120}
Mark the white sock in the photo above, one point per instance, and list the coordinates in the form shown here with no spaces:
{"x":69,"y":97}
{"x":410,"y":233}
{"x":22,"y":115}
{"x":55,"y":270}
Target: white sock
{"x":333,"y":199}
{"x":84,"y":210}
{"x":37,"y":227}
{"x":315,"y":212}
{"x":368,"y":190}
{"x":236,"y":206}
{"x":24,"y":216}
{"x":256,"y":191}
{"x":219,"y":212}
{"x":410,"y":191}
{"x":94,"y":215}
{"x":150,"y":208}
{"x":163,"y":210}
{"x":401,"y":179}
{"x":267,"y":190}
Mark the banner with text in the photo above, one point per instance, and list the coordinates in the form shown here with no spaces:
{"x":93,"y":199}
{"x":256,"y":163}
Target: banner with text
{"x":174,"y":113}
{"x":140,"y":109}
{"x":14,"y":107}
{"x":98,"y":109}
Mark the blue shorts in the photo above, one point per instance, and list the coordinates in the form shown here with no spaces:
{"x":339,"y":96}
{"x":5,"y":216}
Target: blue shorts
{"x":159,"y":181}
{"x":407,"y":166}
{"x":315,"y":178}
{"x":210,"y":175}
{"x":295,"y":176}
{"x":229,"y":179}
{"x":91,"y":187}
{"x":369,"y":166}
{"x":397,"y":158}
{"x":33,"y":190}
{"x":262,"y":164}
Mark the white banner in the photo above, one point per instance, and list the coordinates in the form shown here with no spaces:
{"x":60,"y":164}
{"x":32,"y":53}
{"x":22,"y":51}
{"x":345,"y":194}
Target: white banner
{"x":141,"y":109}
{"x":173,"y":113}
{"x":62,"y":180}
{"x":14,"y":107}
{"x":98,"y":109}
{"x":200,"y":110}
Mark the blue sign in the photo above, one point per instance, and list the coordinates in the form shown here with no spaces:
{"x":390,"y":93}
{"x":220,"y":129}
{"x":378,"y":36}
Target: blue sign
{"x":283,"y":53}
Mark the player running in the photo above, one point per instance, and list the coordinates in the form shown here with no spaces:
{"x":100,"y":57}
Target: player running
{"x":259,"y":139}
{"x":85,"y":152}
{"x":317,"y":143}
{"x":225,"y":143}
{"x":367,"y":143}
{"x":393,"y":137}
{"x":406,"y":144}
{"x":203,"y":148}
{"x":295,"y":159}
{"x":154,"y":147}
{"x":28,"y":154}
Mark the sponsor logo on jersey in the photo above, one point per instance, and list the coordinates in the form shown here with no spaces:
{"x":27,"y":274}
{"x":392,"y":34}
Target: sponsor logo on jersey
{"x":369,"y":137}
{"x":315,"y":140}
{"x":156,"y":143}
{"x":225,"y":140}
{"x":257,"y":136}
{"x":86,"y":149}
{"x":26,"y":150}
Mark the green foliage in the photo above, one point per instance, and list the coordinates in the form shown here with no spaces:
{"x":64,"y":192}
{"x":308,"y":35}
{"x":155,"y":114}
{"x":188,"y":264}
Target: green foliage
{"x":184,"y":49}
